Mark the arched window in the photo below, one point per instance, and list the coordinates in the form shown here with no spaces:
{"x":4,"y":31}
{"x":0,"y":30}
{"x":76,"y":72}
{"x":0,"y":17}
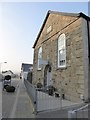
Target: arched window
{"x":62,"y":51}
{"x":39,"y":57}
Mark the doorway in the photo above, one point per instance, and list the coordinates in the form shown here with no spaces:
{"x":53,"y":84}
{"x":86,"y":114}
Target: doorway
{"x":48,"y":76}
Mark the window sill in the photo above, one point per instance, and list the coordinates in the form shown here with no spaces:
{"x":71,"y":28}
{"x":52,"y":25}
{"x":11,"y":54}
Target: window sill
{"x":39,"y":69}
{"x":61,"y":68}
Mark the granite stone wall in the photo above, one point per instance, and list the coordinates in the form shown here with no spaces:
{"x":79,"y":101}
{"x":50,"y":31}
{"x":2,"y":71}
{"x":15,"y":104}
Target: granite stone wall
{"x":70,"y":78}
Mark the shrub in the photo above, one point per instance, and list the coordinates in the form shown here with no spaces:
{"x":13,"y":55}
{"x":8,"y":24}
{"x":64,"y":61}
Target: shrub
{"x":39,"y":85}
{"x":51,"y":89}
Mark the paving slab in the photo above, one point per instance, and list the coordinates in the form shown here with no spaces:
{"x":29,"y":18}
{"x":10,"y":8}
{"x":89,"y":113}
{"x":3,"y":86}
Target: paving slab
{"x":22,"y":107}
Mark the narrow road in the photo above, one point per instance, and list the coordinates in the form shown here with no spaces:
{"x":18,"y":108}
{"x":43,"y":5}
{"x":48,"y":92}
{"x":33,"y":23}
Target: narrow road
{"x":22,"y":107}
{"x":8,"y":99}
{"x":17,"y":104}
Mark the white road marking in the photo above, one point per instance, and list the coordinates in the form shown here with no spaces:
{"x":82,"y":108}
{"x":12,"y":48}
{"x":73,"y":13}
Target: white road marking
{"x":12,"y":114}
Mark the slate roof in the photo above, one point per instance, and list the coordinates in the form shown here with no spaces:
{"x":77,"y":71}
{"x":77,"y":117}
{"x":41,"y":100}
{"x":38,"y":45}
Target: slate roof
{"x":59,"y":13}
{"x":26,"y":67}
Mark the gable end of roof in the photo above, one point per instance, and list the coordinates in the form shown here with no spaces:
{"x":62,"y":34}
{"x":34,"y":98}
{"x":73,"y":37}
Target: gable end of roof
{"x":59,"y":13}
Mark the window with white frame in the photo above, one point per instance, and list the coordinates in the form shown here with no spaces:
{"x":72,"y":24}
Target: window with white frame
{"x":62,"y":51}
{"x":39,"y":57}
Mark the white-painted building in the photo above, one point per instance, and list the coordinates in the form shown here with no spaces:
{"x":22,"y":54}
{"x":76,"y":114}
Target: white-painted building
{"x":25,"y":68}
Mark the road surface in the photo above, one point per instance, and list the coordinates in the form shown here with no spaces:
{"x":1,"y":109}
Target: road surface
{"x":8,"y":99}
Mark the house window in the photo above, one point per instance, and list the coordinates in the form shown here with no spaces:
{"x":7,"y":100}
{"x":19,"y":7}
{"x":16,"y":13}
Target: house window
{"x":39,"y":57}
{"x":62,"y":51}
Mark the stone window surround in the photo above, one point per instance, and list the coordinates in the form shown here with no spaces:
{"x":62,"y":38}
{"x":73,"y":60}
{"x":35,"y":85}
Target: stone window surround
{"x":39,"y":57}
{"x":61,"y":66}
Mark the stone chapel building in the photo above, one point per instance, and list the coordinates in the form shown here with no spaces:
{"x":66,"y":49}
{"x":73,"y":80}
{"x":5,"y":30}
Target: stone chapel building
{"x":62,"y":46}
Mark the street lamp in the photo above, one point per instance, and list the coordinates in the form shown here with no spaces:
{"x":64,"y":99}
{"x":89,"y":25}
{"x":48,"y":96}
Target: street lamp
{"x":1,"y":64}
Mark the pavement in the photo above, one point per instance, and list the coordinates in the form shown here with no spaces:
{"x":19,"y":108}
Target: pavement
{"x":22,"y":107}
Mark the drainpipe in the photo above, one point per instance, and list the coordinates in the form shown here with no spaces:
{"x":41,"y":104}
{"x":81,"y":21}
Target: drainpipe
{"x":88,"y":30}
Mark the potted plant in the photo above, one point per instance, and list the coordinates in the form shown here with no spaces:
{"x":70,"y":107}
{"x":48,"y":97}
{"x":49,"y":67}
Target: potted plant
{"x":51,"y":90}
{"x":39,"y":85}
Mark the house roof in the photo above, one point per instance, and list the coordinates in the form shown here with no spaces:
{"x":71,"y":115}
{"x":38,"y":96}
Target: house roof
{"x":59,"y":13}
{"x":7,"y":72}
{"x":26,"y":67}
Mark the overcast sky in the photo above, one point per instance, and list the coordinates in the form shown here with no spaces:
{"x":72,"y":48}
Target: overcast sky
{"x":19,"y":26}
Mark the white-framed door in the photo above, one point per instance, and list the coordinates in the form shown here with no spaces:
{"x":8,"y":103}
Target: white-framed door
{"x":49,"y":78}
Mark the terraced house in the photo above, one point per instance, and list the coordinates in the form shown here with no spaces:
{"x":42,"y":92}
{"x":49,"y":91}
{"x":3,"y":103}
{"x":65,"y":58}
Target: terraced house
{"x":61,"y":54}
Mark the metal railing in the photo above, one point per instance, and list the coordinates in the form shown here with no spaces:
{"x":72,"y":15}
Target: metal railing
{"x":41,"y":99}
{"x":81,"y":112}
{"x":32,"y":92}
{"x":46,"y":101}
